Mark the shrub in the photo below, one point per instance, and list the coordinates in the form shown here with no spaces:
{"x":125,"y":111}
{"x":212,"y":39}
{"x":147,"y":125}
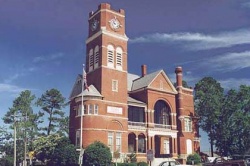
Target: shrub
{"x":97,"y":154}
{"x":193,"y":157}
{"x":142,"y":164}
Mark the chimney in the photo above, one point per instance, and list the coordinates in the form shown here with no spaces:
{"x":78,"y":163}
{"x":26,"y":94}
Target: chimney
{"x":143,"y":70}
{"x":178,"y":72}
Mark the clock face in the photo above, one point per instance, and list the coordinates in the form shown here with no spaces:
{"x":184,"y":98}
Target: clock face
{"x":114,"y":23}
{"x":94,"y":25}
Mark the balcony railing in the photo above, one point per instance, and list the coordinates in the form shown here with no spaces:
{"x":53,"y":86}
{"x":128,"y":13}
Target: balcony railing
{"x":140,"y":124}
{"x":162,"y":126}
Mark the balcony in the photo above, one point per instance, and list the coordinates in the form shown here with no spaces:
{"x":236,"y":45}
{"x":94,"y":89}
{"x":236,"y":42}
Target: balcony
{"x":136,"y":125}
{"x":162,"y":126}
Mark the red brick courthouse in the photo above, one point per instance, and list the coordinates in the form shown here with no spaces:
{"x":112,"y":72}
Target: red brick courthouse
{"x":128,"y":112}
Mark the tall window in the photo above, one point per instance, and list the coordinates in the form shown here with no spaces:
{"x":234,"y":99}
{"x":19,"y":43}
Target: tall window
{"x":118,"y":58}
{"x":118,"y":142}
{"x":166,"y":147}
{"x":91,"y":111}
{"x":188,"y":124}
{"x":91,"y":60}
{"x":95,"y":109}
{"x":110,"y":141}
{"x":115,"y":85}
{"x":77,"y":138}
{"x":141,"y":143}
{"x":85,"y":109}
{"x":131,"y":143}
{"x":110,"y":56}
{"x":79,"y":110}
{"x":96,"y":58}
{"x":162,"y":113}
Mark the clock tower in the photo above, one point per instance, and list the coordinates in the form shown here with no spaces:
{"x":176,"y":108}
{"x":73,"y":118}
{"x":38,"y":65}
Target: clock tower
{"x":106,"y":53}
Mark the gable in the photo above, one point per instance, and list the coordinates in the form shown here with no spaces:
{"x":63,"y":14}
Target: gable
{"x":163,"y":83}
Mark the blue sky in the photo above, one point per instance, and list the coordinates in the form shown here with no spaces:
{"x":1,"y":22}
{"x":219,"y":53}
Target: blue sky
{"x":42,"y":42}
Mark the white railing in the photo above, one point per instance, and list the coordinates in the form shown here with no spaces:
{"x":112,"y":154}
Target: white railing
{"x":141,"y":124}
{"x":162,"y":126}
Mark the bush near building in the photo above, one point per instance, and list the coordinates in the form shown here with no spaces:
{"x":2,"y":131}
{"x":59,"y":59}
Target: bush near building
{"x":193,"y":159}
{"x":97,"y":154}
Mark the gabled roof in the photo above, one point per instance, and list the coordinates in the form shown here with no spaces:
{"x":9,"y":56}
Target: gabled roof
{"x":77,"y":89}
{"x":92,"y":91}
{"x":144,"y":82}
{"x":131,"y":78}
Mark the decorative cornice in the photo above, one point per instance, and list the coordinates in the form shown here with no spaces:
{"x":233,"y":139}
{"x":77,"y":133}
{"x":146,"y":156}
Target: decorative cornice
{"x":103,"y":31}
{"x":107,"y":10}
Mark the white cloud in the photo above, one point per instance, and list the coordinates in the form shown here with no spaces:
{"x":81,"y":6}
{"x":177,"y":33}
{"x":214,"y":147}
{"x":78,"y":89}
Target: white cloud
{"x":246,"y":4}
{"x":199,"y":41}
{"x":7,"y":88}
{"x":229,"y":61}
{"x":12,"y":78}
{"x":38,"y":59}
{"x":234,"y":83}
{"x":50,"y":57}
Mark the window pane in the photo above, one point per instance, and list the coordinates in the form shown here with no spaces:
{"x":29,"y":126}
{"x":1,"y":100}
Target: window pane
{"x":118,"y":141}
{"x":110,"y":141}
{"x":96,"y":109}
{"x":91,"y":109}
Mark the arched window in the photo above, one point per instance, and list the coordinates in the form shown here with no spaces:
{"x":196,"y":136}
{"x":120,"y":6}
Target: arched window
{"x":118,"y":58}
{"x":162,"y":113}
{"x":91,"y":60}
{"x":141,"y":144}
{"x":96,"y":58}
{"x":131,"y":143}
{"x":110,"y":62}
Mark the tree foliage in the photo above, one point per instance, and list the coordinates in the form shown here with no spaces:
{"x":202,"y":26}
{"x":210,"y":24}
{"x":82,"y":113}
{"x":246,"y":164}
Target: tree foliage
{"x":52,"y":102}
{"x":225,"y":117}
{"x":208,"y":104}
{"x":55,"y":150}
{"x":234,"y":128}
{"x":22,"y":117}
{"x":97,"y":153}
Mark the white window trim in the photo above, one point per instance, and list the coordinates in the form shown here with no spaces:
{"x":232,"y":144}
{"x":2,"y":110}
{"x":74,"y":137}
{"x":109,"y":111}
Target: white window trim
{"x":187,"y":124}
{"x":118,"y":140}
{"x":77,"y":135}
{"x":96,"y":56}
{"x":119,"y":58}
{"x":110,"y":57}
{"x":114,"y":85}
{"x":111,"y":145}
{"x":96,"y":107}
{"x":90,"y":109}
{"x":91,"y":60}
{"x":166,"y":146}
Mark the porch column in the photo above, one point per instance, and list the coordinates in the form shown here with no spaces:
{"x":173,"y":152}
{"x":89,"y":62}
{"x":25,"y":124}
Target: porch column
{"x":136,"y":143}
